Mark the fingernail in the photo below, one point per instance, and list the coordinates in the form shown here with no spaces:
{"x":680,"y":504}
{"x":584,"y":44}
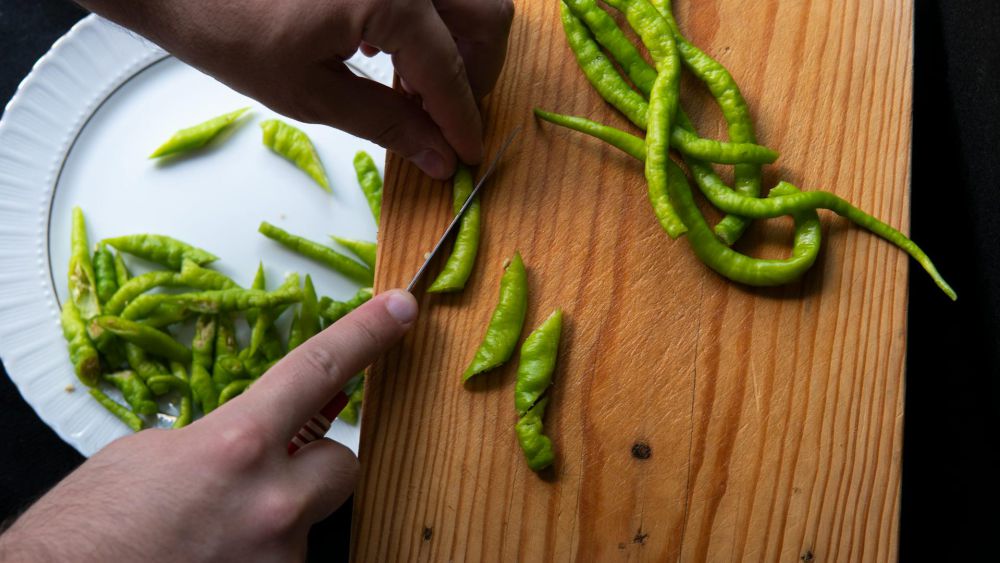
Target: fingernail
{"x":431,"y":163}
{"x":401,"y":306}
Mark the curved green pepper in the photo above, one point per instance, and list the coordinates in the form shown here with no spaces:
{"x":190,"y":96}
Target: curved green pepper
{"x":151,"y":340}
{"x":197,"y":136}
{"x":206,"y":395}
{"x":363,"y":249}
{"x":120,"y":411}
{"x":458,"y":268}
{"x":82,"y":353}
{"x":294,"y":145}
{"x":536,"y":446}
{"x":332,"y":311}
{"x":316,"y":251}
{"x":306,"y":322}
{"x":537,"y":362}
{"x":164,"y":250}
{"x":370,"y":181}
{"x":506,"y":322}
{"x":82,"y":279}
{"x":134,"y":391}
{"x":233,"y":389}
{"x":355,"y":390}
{"x":104,"y":273}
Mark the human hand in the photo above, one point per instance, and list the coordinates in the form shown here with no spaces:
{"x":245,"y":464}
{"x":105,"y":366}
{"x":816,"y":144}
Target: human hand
{"x":225,"y":487}
{"x":289,"y":56}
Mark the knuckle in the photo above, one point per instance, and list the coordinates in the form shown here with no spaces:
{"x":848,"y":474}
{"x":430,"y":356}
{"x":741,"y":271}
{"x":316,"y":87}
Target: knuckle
{"x":241,"y":445}
{"x":395,"y":135}
{"x":278,"y":511}
{"x":372,"y":339}
{"x":455,"y":71}
{"x":318,"y":359}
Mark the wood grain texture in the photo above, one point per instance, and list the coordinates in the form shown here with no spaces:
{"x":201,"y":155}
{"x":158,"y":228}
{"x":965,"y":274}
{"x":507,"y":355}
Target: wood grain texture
{"x":773,"y":416}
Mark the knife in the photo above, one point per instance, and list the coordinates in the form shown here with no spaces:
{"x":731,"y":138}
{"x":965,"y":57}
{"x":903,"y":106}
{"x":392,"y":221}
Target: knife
{"x":319,"y":424}
{"x":458,"y":216}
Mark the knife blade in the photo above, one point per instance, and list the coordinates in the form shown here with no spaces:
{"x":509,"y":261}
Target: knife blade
{"x":458,"y":216}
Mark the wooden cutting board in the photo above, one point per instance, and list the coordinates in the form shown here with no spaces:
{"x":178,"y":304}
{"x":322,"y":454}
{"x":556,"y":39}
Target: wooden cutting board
{"x":693,"y":418}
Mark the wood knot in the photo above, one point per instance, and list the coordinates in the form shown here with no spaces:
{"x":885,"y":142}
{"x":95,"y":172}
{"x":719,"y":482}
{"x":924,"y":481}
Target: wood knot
{"x":640,"y":538}
{"x":428,"y":532}
{"x":641,"y":450}
{"x":807,"y":556}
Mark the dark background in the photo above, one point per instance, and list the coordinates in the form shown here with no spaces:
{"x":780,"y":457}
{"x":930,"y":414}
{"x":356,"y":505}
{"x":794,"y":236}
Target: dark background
{"x":949,"y":509}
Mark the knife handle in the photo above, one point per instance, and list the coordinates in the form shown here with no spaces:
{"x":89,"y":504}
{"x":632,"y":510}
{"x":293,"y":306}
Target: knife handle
{"x":319,"y":424}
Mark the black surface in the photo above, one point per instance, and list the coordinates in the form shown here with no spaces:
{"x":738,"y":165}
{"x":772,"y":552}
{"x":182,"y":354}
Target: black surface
{"x":953,"y":362}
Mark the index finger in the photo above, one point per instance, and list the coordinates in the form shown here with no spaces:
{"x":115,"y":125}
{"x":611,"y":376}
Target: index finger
{"x":298,"y":386}
{"x":426,"y":57}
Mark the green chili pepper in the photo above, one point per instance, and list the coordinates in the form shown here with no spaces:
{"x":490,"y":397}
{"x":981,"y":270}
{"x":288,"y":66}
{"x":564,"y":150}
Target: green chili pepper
{"x":625,"y":142}
{"x":255,"y":365}
{"x":294,"y":145}
{"x":120,"y":411}
{"x":538,"y":361}
{"x":332,"y":311}
{"x":263,"y":328}
{"x":148,"y":338}
{"x":306,"y":321}
{"x":355,"y":390}
{"x":163,"y":250}
{"x":370,"y":181}
{"x":163,"y":384}
{"x":179,"y":306}
{"x":663,"y":96}
{"x":536,"y":446}
{"x":607,"y":33}
{"x":234,"y":389}
{"x":82,"y":353}
{"x":134,"y":391}
{"x":506,"y":322}
{"x":733,"y":265}
{"x":122,"y":274}
{"x":785,"y":202}
{"x":184,"y":410}
{"x":322,"y":254}
{"x":206,"y":395}
{"x":82,"y":280}
{"x":595,"y":64}
{"x":363,"y":249}
{"x":193,"y":275}
{"x":458,"y":268}
{"x":104,"y":273}
{"x":747,"y":178}
{"x":197,"y":136}
{"x":139,"y":285}
{"x":226,"y":366}
{"x":684,"y":141}
{"x":143,"y":366}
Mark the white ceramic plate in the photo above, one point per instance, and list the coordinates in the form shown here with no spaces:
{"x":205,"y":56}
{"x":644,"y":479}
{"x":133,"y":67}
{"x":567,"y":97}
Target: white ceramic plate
{"x":78,"y":132}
